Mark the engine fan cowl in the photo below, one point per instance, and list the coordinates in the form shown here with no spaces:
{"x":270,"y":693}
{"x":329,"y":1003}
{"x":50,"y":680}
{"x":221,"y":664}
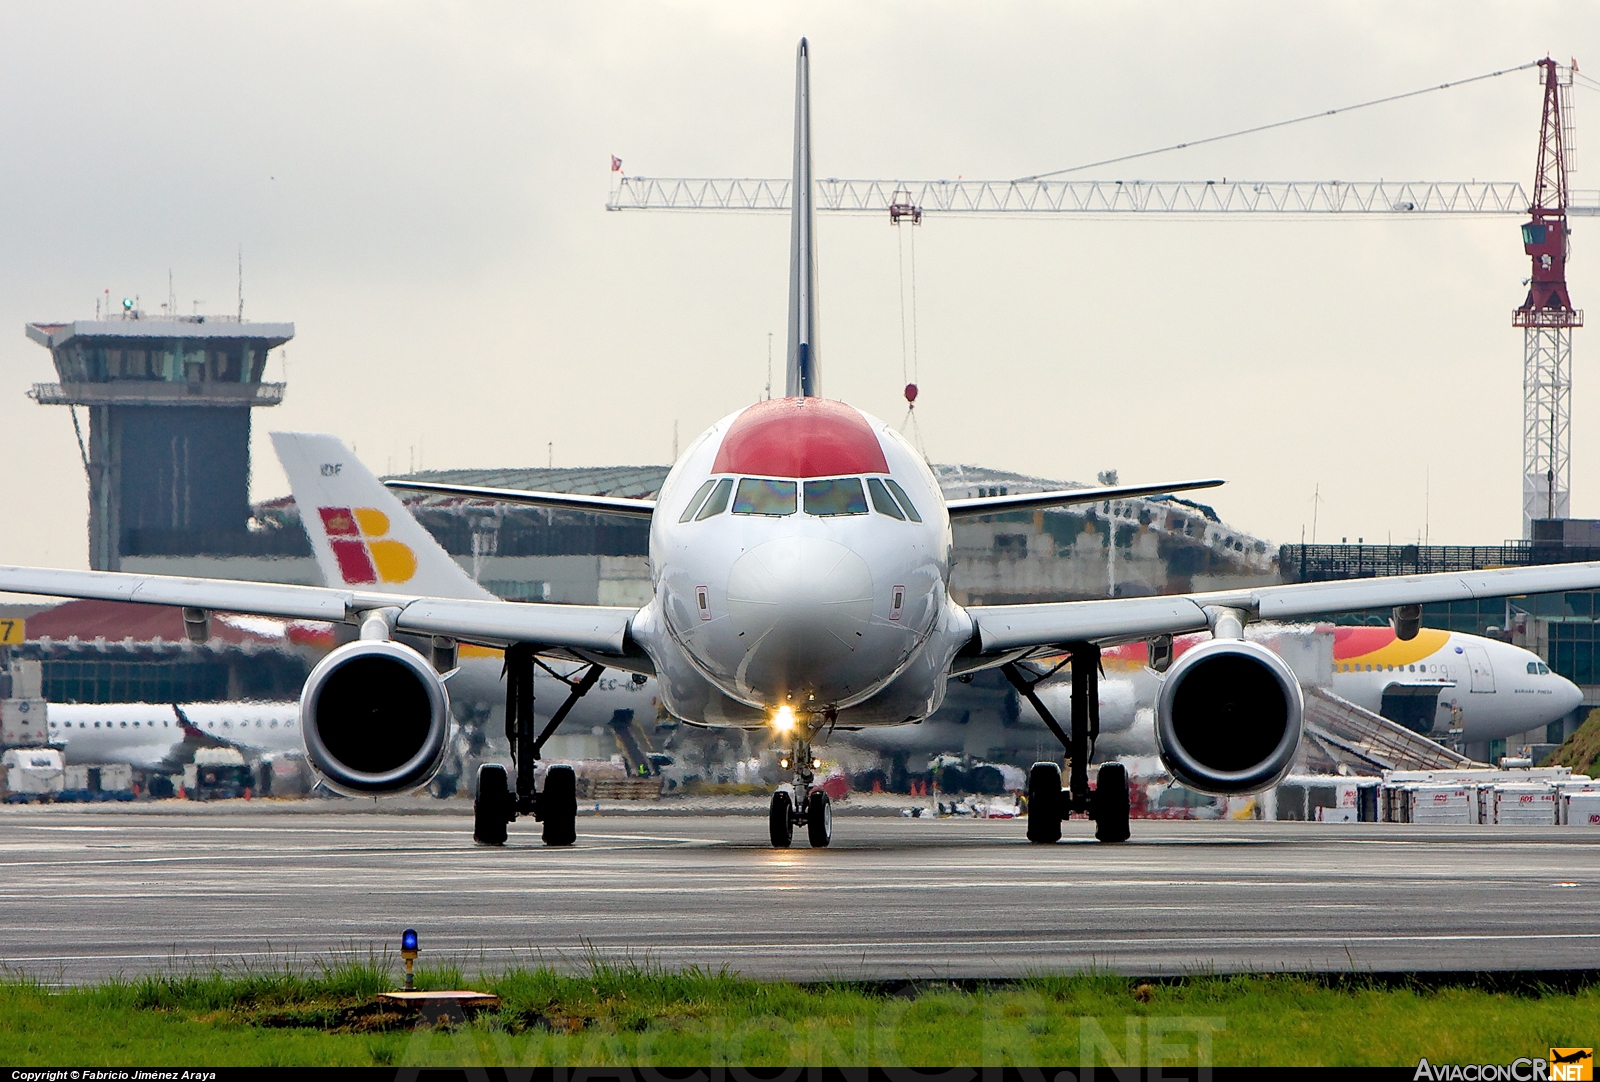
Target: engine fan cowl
{"x":1228,"y":717}
{"x":375,"y":717}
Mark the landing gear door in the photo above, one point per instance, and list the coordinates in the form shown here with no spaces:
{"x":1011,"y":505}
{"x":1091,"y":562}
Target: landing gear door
{"x":1482,"y":670}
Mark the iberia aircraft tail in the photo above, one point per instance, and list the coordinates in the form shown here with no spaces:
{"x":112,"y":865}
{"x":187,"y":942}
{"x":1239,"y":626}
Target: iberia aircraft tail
{"x":362,"y":534}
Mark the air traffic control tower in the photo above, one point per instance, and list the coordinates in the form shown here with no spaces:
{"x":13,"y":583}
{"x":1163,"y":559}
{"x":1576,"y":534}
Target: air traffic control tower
{"x":168,"y":450}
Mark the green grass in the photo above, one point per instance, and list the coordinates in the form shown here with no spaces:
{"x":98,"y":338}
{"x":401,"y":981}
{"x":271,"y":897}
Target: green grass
{"x":1582,"y":749}
{"x":631,"y":1014}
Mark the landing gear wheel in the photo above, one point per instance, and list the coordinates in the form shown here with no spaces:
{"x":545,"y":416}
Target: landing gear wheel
{"x":491,"y":808}
{"x":1044,"y":804}
{"x":558,"y":806}
{"x":780,"y":820}
{"x":819,"y":820}
{"x":1111,"y":804}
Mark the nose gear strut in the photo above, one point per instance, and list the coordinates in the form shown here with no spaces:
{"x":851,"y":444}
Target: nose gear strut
{"x":800,"y":804}
{"x":1048,"y":803}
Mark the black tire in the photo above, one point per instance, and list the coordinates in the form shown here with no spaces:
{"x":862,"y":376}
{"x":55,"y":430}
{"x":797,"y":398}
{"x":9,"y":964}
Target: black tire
{"x":1044,"y":804}
{"x":819,"y":820}
{"x":558,"y":806}
{"x":780,"y":820}
{"x":1111,"y":803}
{"x":491,"y":808}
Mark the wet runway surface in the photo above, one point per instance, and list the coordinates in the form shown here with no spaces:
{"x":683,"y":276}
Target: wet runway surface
{"x":93,"y":892}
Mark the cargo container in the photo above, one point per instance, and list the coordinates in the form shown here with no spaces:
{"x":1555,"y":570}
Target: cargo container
{"x":1580,"y":808}
{"x":22,"y":723}
{"x":218,"y":774}
{"x":102,"y":781}
{"x":1443,"y":804}
{"x":1524,"y":805}
{"x":32,"y":774}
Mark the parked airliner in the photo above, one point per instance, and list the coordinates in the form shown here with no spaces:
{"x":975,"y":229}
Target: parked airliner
{"x":800,"y":561}
{"x":151,"y":736}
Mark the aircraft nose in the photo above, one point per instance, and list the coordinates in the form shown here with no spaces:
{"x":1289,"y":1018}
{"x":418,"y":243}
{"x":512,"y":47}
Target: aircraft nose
{"x":800,"y":606}
{"x":1571,"y":695}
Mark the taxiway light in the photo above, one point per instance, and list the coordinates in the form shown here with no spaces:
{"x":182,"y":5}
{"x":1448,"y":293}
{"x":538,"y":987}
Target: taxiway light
{"x":408,"y":951}
{"x":783,"y":720}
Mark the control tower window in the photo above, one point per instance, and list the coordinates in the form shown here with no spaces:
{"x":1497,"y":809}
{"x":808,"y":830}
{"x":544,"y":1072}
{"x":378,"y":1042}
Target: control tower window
{"x":759,"y":497}
{"x":837,"y":496}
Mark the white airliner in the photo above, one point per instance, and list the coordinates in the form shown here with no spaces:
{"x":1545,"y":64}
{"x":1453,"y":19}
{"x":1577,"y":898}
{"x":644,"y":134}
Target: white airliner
{"x":364,"y":537}
{"x":800,"y":558}
{"x":150,"y":736}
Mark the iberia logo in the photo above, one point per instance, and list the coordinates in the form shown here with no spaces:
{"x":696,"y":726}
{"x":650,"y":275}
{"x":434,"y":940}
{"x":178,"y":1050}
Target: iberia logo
{"x":364,"y":553}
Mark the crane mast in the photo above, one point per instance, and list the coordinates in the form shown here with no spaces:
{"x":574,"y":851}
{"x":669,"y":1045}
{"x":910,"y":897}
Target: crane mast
{"x":1547,"y":317}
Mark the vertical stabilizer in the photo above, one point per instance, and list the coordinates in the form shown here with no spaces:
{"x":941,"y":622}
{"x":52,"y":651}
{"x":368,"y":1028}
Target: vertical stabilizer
{"x":805,"y":367}
{"x":362,"y":534}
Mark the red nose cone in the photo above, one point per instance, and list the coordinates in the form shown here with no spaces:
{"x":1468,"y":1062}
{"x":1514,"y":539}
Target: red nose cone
{"x":911,"y":392}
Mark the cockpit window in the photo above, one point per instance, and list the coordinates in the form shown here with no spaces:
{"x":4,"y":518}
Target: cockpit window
{"x":759,"y":497}
{"x":883,"y":501}
{"x":694,"y":504}
{"x":718,"y":501}
{"x":905,"y":501}
{"x":837,"y":496}
{"x":1538,"y":668}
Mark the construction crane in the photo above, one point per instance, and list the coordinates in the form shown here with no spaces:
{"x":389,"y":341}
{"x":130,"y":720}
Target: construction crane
{"x":1547,"y":315}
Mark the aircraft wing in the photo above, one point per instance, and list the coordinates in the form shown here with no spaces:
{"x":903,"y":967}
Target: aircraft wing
{"x":595,"y":628}
{"x":562,"y":501}
{"x":1027,"y":501}
{"x":1006,"y":630}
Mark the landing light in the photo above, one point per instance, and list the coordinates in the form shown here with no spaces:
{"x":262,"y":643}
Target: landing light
{"x":816,"y":764}
{"x":783,"y":720}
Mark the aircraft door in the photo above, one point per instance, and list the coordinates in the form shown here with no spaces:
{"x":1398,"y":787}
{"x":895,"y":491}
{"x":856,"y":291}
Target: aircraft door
{"x":1482,"y":670}
{"x":1413,"y":707}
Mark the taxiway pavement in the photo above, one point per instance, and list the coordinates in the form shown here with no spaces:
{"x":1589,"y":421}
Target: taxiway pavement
{"x":94,"y":891}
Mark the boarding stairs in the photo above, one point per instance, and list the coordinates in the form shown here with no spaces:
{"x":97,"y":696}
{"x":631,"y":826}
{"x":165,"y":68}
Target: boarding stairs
{"x":1346,"y":731}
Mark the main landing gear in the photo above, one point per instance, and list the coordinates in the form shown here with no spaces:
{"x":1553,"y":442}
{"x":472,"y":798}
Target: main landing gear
{"x":1048,"y":802}
{"x":497,"y":804}
{"x":800,"y":805}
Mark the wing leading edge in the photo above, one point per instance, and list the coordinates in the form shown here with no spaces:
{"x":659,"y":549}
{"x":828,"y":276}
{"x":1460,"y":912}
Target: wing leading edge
{"x":1028,"y":501}
{"x":598,"y":629}
{"x":1003,"y":629}
{"x":563,"y":501}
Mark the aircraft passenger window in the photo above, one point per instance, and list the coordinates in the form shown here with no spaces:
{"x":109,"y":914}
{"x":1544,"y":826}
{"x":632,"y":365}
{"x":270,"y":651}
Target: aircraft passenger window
{"x":905,"y":501}
{"x":694,"y":503}
{"x":838,"y":496}
{"x":718,"y":501}
{"x":883,"y":501}
{"x":757,"y":497}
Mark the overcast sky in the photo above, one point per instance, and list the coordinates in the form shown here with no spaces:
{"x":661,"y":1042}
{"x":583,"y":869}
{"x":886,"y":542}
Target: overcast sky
{"x":420,"y":188}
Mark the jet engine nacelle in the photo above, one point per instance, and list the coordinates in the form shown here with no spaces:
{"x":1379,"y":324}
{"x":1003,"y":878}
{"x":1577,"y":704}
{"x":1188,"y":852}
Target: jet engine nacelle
{"x":375,"y":717}
{"x":1228,"y":717}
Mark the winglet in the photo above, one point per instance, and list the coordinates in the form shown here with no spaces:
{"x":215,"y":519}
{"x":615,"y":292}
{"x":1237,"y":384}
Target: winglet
{"x":805,"y":365}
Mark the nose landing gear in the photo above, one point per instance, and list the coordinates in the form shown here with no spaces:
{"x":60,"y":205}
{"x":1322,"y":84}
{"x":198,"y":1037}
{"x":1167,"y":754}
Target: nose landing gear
{"x":798,"y":804}
{"x":1048,"y":802}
